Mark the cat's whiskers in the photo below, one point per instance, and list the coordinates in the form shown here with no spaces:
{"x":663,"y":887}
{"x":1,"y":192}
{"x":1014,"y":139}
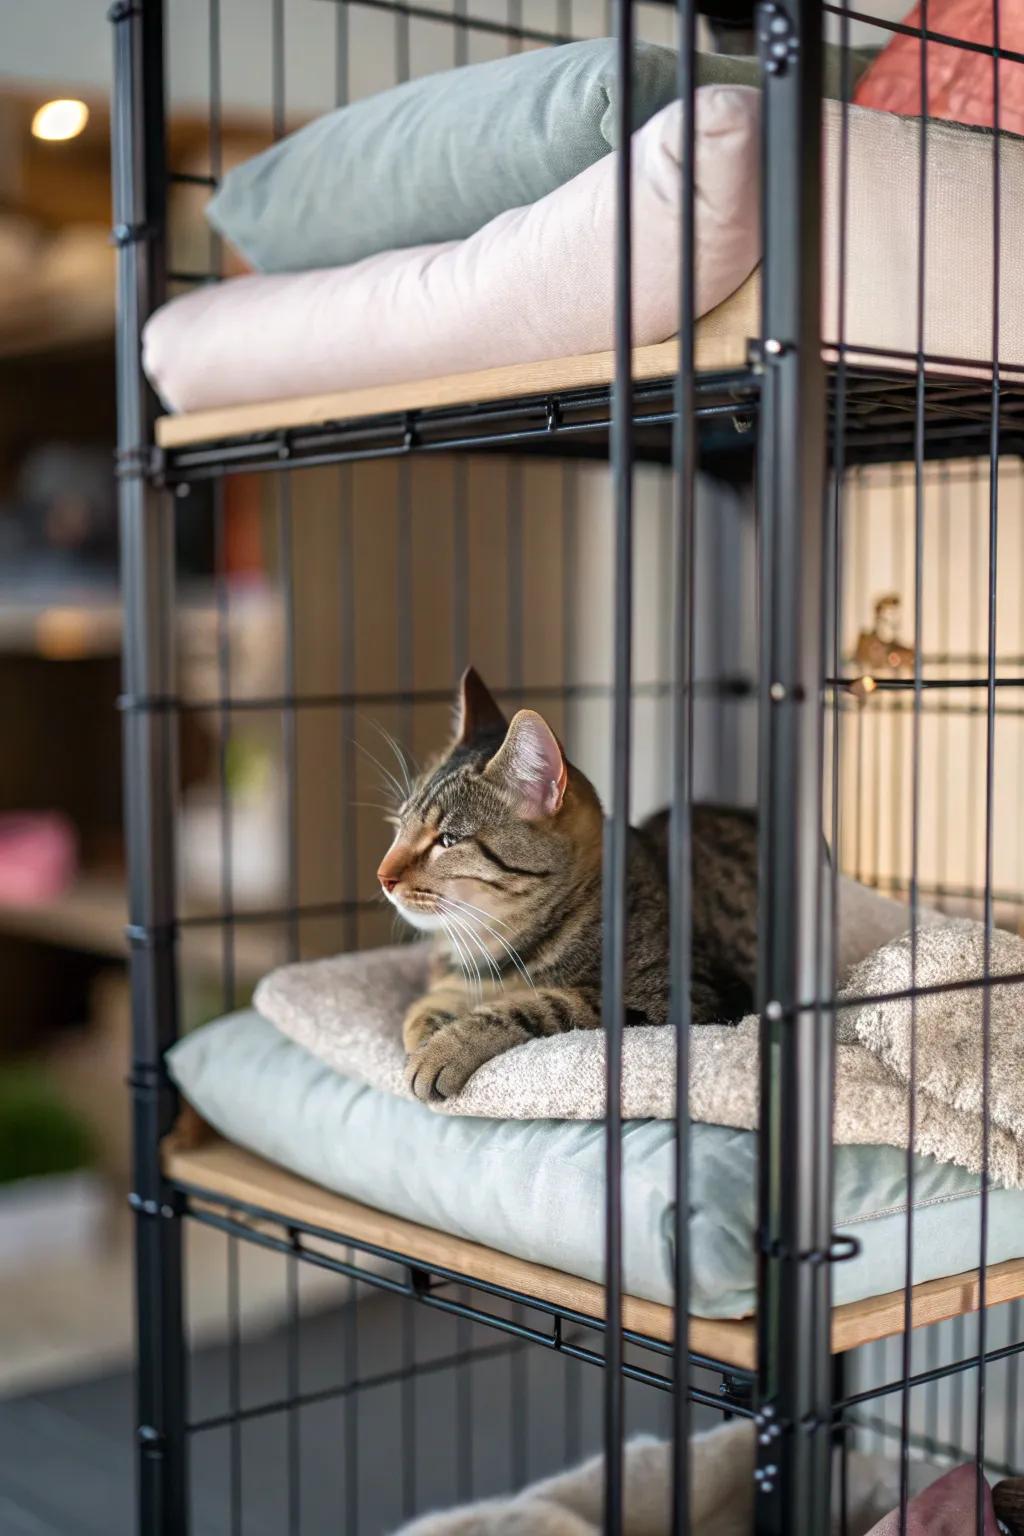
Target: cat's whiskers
{"x":467,"y":906}
{"x":403,"y":757}
{"x":509,"y":949}
{"x":471,"y":937}
{"x":474,"y":983}
{"x":400,"y":792}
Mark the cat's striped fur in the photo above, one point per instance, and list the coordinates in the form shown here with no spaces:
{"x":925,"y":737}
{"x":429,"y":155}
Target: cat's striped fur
{"x":498,"y":850}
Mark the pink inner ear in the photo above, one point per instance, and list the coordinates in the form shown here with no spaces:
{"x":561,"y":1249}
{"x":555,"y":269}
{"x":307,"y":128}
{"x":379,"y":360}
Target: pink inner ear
{"x":535,"y":764}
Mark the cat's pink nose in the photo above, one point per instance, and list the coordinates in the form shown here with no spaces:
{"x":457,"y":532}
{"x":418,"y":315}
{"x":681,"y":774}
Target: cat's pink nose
{"x":393,"y":866}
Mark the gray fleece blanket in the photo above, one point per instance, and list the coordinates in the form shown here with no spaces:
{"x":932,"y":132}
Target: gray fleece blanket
{"x":348,"y":1010}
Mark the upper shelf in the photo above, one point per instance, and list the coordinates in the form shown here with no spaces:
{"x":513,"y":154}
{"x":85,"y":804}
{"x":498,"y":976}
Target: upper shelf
{"x":515,"y":404}
{"x":565,"y":404}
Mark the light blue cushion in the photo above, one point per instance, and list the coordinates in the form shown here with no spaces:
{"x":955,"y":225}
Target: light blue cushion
{"x":535,"y":1188}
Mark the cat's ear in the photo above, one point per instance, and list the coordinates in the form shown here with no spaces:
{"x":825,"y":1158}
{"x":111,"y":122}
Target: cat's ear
{"x":532,"y":765}
{"x":477,"y":713}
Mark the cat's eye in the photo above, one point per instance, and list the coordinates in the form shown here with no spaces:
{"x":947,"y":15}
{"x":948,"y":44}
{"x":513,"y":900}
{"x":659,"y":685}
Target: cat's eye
{"x":447,"y":839}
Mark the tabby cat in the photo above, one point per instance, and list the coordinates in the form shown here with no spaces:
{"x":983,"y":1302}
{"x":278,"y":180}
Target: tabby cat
{"x":498,"y":852}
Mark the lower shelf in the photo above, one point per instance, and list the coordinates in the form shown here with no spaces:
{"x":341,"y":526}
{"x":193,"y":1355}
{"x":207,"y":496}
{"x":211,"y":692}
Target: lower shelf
{"x":231,"y":1175}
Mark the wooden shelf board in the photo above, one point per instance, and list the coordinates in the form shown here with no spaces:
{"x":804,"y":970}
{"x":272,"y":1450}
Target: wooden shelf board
{"x":720,"y":343}
{"x":232,"y":1174}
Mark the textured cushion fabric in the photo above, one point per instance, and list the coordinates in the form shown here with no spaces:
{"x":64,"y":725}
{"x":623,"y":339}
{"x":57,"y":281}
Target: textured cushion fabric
{"x":534,"y":283}
{"x":534,"y":1189}
{"x":435,"y":158}
{"x":347,"y":1010}
{"x":882,"y":250}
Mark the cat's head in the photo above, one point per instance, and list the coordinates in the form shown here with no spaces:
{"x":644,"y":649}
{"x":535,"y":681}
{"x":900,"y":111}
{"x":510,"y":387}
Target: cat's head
{"x":487,"y":828}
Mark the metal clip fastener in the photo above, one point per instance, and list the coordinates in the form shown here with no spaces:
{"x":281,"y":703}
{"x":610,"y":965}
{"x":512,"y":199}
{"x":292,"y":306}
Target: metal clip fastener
{"x":143,"y":1207}
{"x":130,"y":234}
{"x":777,"y":41}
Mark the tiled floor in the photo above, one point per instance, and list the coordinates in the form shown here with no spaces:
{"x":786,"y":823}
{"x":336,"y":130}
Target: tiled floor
{"x":66,"y":1463}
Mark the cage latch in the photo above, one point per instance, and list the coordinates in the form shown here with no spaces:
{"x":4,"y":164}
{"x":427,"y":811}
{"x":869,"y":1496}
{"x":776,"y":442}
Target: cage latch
{"x":839,"y":1250}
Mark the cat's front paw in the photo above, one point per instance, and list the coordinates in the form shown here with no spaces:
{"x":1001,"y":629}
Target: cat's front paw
{"x":423,"y":1019}
{"x":442,"y":1065}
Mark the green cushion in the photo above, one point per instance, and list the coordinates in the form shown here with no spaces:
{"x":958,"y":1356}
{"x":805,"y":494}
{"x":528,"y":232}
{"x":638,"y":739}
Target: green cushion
{"x":535,"y":1188}
{"x":438,"y":157}
{"x":433,"y":159}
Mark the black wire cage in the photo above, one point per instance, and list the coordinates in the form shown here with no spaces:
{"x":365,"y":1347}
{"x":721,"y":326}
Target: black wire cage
{"x":680,"y":563}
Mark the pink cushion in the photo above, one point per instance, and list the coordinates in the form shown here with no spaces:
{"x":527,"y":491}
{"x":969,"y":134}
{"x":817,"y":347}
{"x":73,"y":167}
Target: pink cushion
{"x":960,"y":82}
{"x":38,"y":856}
{"x":947,"y":1508}
{"x":534,"y":283}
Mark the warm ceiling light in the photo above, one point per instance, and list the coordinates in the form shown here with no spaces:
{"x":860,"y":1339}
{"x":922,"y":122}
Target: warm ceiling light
{"x":60,"y":120}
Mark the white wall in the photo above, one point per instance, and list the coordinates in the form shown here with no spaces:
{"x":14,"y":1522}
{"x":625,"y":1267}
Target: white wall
{"x":68,"y":42}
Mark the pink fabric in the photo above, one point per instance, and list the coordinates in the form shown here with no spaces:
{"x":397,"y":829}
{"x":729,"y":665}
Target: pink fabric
{"x":960,"y":83}
{"x":38,"y":856}
{"x":946,"y":1508}
{"x":535,"y":283}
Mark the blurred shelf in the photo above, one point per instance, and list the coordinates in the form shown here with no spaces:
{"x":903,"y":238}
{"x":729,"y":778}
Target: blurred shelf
{"x":71,"y":629}
{"x":92,"y":916}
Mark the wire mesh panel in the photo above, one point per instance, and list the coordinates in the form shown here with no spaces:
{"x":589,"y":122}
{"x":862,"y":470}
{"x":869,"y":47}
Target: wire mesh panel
{"x":789,"y":583}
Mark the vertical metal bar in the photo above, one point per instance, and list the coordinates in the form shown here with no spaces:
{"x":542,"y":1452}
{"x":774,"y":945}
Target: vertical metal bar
{"x":518,"y":1368}
{"x":346,"y":719}
{"x":931,"y":1420}
{"x":277,"y":68}
{"x":794,"y":1316}
{"x":407,"y":1391}
{"x":957,"y":1406}
{"x":139,"y":173}
{"x":351,"y":1440}
{"x":617,"y":827}
{"x":288,"y":722}
{"x":514,"y":568}
{"x":837,"y":553}
{"x":461,"y":38}
{"x":294,"y":1387}
{"x":460,"y":567}
{"x":227,"y":883}
{"x":839,"y":472}
{"x":234,"y":1391}
{"x":1013,"y":1395}
{"x":573,"y":1413}
{"x":915,"y":800}
{"x":341,"y":54}
{"x":990,"y":759}
{"x":945,"y":613}
{"x":464,"y":1407}
{"x":215,"y":135}
{"x":684,"y":453}
{"x":401,"y":47}
{"x":569,"y":511}
{"x":404,"y":601}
